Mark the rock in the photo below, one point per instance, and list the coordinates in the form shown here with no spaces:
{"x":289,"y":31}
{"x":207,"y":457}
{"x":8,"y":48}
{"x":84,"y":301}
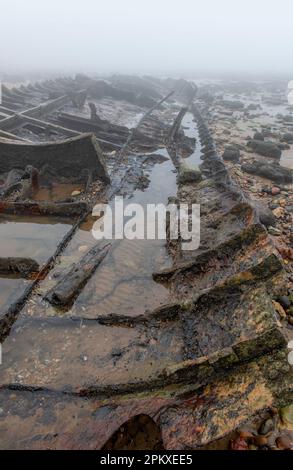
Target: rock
{"x":279,"y":212}
{"x":260,"y":441}
{"x":275,"y":190}
{"x":245,"y":434}
{"x":283,"y":443}
{"x":231,"y":154}
{"x":233,"y":105}
{"x":283,"y":146}
{"x":258,"y":136}
{"x":286,"y":252}
{"x":189,"y":174}
{"x":288,"y":138}
{"x":286,"y":415}
{"x":274,"y":172}
{"x":75,"y":193}
{"x":282,"y":202}
{"x":266,"y":149}
{"x":82,"y":248}
{"x":253,"y":107}
{"x":266,"y":427}
{"x":265,"y":215}
{"x":274,"y":231}
{"x":280,"y":310}
{"x":238,"y":444}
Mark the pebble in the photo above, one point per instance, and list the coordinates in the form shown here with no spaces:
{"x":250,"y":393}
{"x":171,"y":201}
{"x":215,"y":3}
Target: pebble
{"x":283,"y":443}
{"x":75,"y":193}
{"x":260,"y":441}
{"x":245,"y":434}
{"x":266,"y":427}
{"x":274,"y":231}
{"x":275,"y":190}
{"x":82,"y":248}
{"x":278,"y":212}
{"x":279,"y":309}
{"x":282,"y":202}
{"x":238,"y":444}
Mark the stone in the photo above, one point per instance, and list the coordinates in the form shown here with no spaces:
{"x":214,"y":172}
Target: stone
{"x":288,"y":138}
{"x":231,"y":154}
{"x":75,"y":193}
{"x":82,"y":248}
{"x":238,"y":444}
{"x":279,"y":309}
{"x":278,"y":212}
{"x":260,"y":441}
{"x":233,"y":105}
{"x":275,"y":190}
{"x":283,"y":443}
{"x":266,"y":149}
{"x":189,"y":174}
{"x":274,"y":172}
{"x":274,"y":231}
{"x":258,"y":136}
{"x":266,"y":427}
{"x":265,"y":215}
{"x":286,"y":415}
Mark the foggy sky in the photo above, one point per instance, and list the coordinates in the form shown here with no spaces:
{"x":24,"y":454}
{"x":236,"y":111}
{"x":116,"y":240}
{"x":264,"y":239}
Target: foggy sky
{"x":147,"y":36}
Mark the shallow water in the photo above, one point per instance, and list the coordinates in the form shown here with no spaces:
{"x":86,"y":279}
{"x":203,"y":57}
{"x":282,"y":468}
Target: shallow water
{"x":123,"y":283}
{"x":190,"y":130}
{"x":27,"y":237}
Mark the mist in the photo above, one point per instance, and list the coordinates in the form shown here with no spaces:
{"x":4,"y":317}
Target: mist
{"x":185,"y":37}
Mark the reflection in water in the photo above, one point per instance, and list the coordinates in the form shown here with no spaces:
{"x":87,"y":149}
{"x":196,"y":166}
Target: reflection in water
{"x":190,"y":130}
{"x":26,"y":237}
{"x":123,"y":283}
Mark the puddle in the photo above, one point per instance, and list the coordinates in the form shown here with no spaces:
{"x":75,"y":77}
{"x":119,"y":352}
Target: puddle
{"x":123,"y":283}
{"x":190,"y":130}
{"x":56,"y":192}
{"x":27,"y":237}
